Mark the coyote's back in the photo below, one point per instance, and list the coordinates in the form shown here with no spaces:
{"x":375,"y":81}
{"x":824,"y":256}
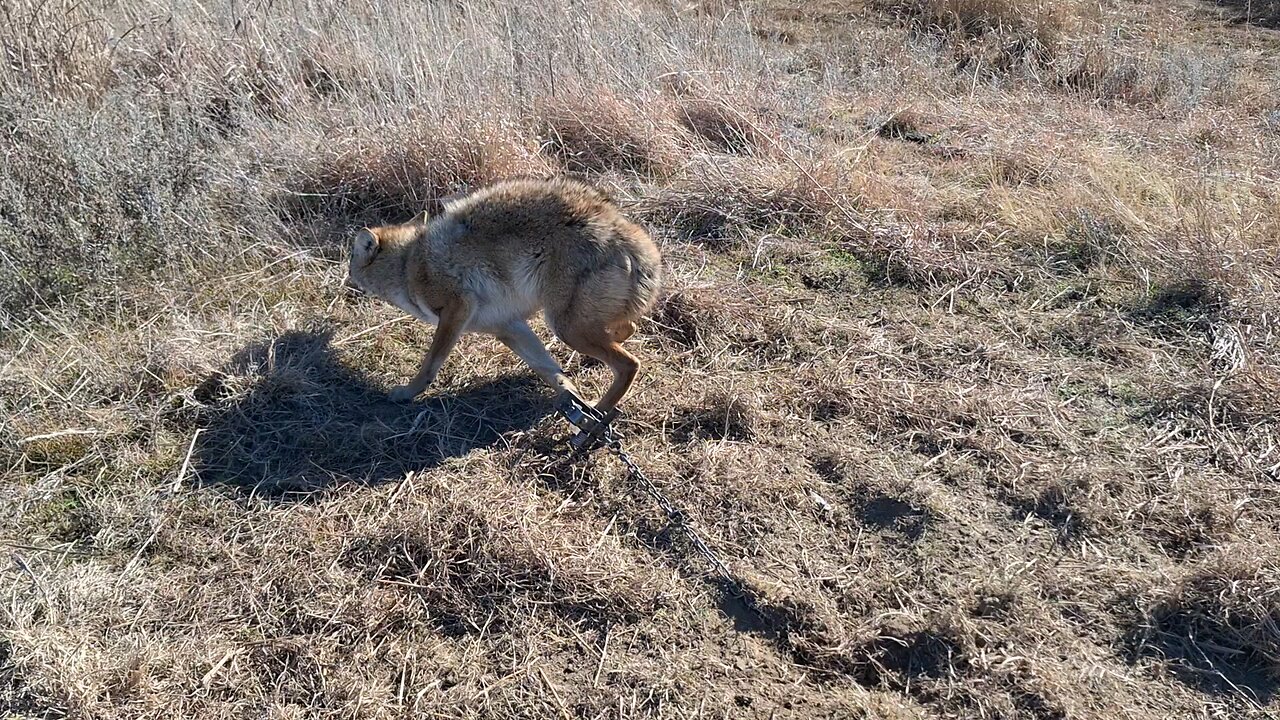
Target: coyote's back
{"x":585,"y":255}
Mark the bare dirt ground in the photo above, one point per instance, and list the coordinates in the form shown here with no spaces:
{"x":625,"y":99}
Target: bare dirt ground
{"x":967,"y":364}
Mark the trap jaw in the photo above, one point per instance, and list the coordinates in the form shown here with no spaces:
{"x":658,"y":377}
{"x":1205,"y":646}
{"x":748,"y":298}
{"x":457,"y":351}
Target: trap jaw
{"x":593,"y":425}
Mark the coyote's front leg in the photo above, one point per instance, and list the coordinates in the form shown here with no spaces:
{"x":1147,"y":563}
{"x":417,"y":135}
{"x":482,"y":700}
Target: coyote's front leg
{"x":453,"y":321}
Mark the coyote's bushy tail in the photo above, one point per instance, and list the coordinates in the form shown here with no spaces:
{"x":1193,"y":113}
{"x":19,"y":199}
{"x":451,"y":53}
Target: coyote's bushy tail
{"x":646,"y":282}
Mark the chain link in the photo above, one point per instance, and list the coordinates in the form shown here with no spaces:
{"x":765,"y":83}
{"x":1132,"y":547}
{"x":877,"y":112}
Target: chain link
{"x":674,"y":514}
{"x":595,"y":431}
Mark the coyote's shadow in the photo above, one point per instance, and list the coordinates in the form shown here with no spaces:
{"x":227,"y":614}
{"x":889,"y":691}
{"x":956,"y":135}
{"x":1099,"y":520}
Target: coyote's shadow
{"x":285,"y":419}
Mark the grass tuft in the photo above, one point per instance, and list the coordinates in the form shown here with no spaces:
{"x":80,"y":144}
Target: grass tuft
{"x":725,"y":127}
{"x":1216,"y":628}
{"x":1002,"y":32}
{"x":598,"y":132}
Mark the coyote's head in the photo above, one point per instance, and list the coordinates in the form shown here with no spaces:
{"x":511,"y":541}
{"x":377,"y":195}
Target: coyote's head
{"x":374,"y":266}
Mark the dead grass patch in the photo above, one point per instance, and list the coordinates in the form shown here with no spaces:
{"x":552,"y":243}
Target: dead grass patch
{"x":829,"y":399}
{"x":402,"y":171}
{"x":1218,"y":626}
{"x":905,"y":125}
{"x":1088,"y":240}
{"x":1099,"y":71}
{"x":596,"y":131}
{"x":695,"y":317}
{"x":986,"y":427}
{"x":1145,"y":76}
{"x":1000,"y":32}
{"x":1244,"y":400}
{"x":920,"y":257}
{"x":1265,"y":13}
{"x":726,"y":128}
{"x":721,"y":416}
{"x":1192,"y":528}
{"x":477,"y":569}
{"x":1064,"y":504}
{"x":714,"y":204}
{"x":1019,"y":168}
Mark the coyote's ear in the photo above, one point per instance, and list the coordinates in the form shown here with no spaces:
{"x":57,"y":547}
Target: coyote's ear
{"x":365,"y":247}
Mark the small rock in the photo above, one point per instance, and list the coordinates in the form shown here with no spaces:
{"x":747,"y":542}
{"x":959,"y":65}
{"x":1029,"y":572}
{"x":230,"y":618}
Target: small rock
{"x":820,"y":501}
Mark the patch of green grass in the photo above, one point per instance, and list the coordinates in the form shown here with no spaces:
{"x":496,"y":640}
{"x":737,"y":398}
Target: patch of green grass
{"x":62,"y":517}
{"x":56,"y":450}
{"x":836,"y":271}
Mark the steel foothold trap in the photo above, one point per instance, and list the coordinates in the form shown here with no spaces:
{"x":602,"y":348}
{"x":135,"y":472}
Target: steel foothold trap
{"x":594,"y":427}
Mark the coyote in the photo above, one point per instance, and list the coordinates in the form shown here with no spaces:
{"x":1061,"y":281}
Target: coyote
{"x":494,"y":257}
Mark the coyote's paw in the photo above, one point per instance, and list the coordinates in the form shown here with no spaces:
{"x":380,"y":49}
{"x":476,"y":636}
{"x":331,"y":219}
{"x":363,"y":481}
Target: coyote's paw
{"x":403,"y":393}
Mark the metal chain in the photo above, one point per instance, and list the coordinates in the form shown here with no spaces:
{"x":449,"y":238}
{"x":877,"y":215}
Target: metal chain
{"x":594,"y":431}
{"x":728,"y":582}
{"x":674,"y":514}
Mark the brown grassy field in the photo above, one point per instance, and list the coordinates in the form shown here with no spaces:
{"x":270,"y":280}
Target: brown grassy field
{"x":967,"y":363}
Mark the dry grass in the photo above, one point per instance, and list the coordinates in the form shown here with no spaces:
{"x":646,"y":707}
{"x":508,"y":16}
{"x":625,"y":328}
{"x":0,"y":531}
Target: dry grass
{"x":1002,"y":32}
{"x":597,"y":132}
{"x":966,"y":364}
{"x":1257,"y":12}
{"x":727,"y":128}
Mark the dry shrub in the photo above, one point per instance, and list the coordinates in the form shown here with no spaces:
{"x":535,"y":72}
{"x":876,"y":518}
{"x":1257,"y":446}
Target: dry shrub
{"x":83,"y":210}
{"x":776,"y":337}
{"x":906,"y":651}
{"x":399,"y":172}
{"x":727,"y":128}
{"x":1271,"y":122}
{"x":63,"y":517}
{"x":725,"y":322}
{"x":714,"y":203}
{"x":259,"y":82}
{"x":248,"y":83}
{"x":597,"y":131}
{"x":1182,"y":305}
{"x":45,"y":451}
{"x":1000,"y":32}
{"x":1218,"y":625}
{"x":859,"y":404}
{"x":1096,"y":335}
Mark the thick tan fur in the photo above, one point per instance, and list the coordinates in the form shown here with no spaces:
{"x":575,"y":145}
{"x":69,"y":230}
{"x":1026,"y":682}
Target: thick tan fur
{"x":493,"y":258}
